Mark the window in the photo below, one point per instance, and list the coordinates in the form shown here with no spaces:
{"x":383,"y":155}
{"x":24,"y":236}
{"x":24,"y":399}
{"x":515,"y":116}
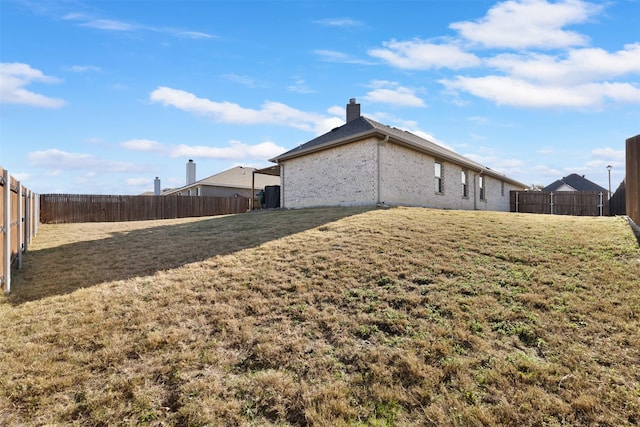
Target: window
{"x":481,"y":187}
{"x":438,"y":175}
{"x":465,"y":187}
{"x":502,"y":188}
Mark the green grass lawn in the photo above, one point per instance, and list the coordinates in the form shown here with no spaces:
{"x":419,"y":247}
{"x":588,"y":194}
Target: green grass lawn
{"x":325,"y":317}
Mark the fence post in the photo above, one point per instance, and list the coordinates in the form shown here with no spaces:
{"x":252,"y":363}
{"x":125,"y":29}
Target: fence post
{"x":36,"y":213}
{"x":20,"y":225}
{"x":517,"y":194}
{"x":28,"y":215}
{"x":600,"y":205}
{"x":6,"y":262}
{"x":551,"y":205}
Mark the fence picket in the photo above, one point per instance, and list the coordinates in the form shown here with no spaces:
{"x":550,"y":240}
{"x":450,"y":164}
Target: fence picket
{"x":67,"y":208}
{"x":579,"y":203}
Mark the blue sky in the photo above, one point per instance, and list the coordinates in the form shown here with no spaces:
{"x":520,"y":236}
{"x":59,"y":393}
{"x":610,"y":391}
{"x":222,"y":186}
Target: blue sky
{"x":101,"y":97}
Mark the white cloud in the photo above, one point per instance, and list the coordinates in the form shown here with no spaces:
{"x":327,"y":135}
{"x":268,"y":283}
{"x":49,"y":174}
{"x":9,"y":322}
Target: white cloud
{"x":477,"y":137}
{"x":392,"y":93}
{"x":337,"y":111}
{"x":117,"y":25}
{"x":13,"y":78}
{"x":423,"y":55}
{"x":109,"y":24}
{"x":408,"y":125}
{"x":340,"y":57}
{"x":547,"y":171}
{"x":300,"y":86}
{"x":546,"y":150}
{"x":76,"y":17}
{"x":582,"y":79}
{"x":579,"y":66}
{"x":608,"y":153}
{"x":83,"y":68}
{"x":515,"y":92}
{"x":572,"y":77}
{"x":270,"y":113}
{"x":521,"y":24}
{"x":192,"y":34}
{"x":579,"y":78}
{"x":21,"y":176}
{"x":243,"y":80}
{"x":142,"y":145}
{"x":505,"y":166}
{"x":56,"y":159}
{"x":235,"y":151}
{"x":339,"y":22}
{"x":138,"y":182}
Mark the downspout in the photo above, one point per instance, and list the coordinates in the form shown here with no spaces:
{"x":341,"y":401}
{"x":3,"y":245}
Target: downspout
{"x":475,"y":186}
{"x":282,"y":185}
{"x":385,"y":140}
{"x":253,"y":190}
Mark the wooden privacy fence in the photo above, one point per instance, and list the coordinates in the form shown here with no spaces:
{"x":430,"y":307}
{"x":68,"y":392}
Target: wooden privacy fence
{"x":18,"y":224}
{"x":580,"y":203}
{"x":66,"y":208}
{"x":617,"y":202}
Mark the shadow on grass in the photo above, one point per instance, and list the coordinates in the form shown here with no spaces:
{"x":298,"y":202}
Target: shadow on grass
{"x":142,"y":252}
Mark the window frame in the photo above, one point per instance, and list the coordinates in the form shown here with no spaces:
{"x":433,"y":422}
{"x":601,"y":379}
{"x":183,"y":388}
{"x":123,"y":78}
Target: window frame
{"x":481,"y":187}
{"x":464,"y":180}
{"x":439,"y":179}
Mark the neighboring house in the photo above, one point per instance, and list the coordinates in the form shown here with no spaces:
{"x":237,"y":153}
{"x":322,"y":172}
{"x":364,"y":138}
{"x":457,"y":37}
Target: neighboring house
{"x":366,"y":163}
{"x":237,"y":181}
{"x":574,"y":182}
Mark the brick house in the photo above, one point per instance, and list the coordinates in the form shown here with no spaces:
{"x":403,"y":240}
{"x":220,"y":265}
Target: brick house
{"x":364,"y":163}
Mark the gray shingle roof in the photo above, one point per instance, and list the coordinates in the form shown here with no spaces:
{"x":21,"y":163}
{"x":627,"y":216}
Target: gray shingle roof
{"x":578,"y":182}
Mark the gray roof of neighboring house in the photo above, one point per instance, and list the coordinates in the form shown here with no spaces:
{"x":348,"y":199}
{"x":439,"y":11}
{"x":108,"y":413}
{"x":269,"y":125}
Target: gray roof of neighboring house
{"x":575,"y":181}
{"x":363,"y":127}
{"x":236,"y":177}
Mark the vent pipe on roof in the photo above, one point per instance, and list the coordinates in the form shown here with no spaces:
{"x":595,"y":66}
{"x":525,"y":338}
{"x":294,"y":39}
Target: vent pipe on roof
{"x":191,"y":172}
{"x":353,"y":110}
{"x":156,"y":186}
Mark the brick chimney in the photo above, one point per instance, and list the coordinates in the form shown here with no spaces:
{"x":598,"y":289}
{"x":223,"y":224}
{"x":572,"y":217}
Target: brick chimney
{"x":353,"y":110}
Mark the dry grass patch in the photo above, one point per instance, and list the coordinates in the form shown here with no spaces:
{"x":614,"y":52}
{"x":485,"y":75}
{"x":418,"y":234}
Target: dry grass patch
{"x":327,"y":317}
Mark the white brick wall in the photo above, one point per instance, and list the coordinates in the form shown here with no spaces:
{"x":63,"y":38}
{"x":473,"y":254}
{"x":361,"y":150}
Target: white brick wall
{"x":344,"y":176}
{"x":348,"y":175}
